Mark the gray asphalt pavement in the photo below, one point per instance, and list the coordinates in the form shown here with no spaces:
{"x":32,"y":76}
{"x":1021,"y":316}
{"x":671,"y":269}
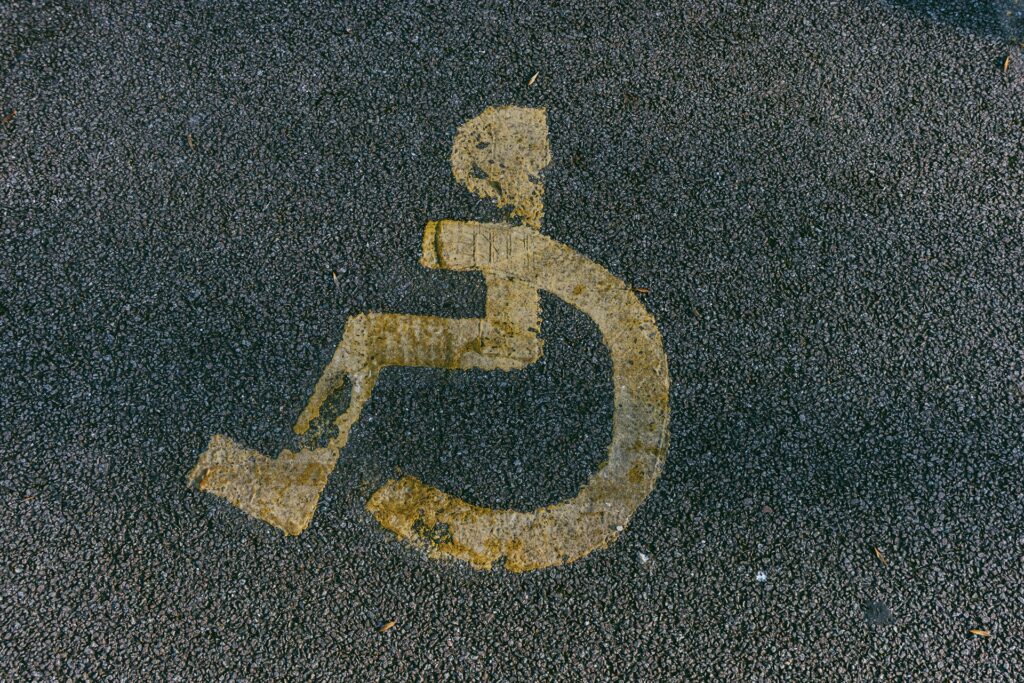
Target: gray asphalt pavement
{"x":824,"y":200}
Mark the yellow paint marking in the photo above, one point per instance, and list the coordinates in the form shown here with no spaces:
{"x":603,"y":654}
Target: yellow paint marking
{"x":497,"y":155}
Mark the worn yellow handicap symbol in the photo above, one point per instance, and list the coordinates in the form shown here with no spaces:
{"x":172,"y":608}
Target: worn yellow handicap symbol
{"x":499,"y":155}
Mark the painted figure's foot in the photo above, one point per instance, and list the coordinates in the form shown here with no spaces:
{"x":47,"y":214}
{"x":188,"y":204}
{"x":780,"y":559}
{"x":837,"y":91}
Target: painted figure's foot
{"x":283,"y":491}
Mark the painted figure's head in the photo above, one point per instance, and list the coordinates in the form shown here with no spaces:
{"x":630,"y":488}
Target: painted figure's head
{"x":499,"y":155}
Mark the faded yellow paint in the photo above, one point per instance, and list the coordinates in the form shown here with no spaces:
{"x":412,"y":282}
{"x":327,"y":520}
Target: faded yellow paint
{"x":500,"y":154}
{"x":283,"y":491}
{"x":571,"y":529}
{"x":497,"y":155}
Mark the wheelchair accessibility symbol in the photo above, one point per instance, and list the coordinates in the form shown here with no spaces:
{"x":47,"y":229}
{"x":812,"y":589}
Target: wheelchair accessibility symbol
{"x":498,"y":155}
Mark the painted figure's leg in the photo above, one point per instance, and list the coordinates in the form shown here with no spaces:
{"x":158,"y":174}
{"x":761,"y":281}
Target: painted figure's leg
{"x":372,"y":341}
{"x":351,"y":355}
{"x":362,"y":387}
{"x":506,"y":339}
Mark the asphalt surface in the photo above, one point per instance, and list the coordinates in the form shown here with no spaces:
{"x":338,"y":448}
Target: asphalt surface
{"x":824,"y":200}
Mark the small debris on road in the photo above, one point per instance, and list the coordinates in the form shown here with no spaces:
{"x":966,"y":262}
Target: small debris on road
{"x":880,"y":556}
{"x":876,"y":612}
{"x":387,"y":627}
{"x":533,"y":78}
{"x":761,"y":576}
{"x":10,"y":117}
{"x":983,"y":633}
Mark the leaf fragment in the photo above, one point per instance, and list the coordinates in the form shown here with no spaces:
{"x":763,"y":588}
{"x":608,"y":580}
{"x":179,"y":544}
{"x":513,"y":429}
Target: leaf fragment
{"x":984,"y":633}
{"x":1006,"y":63}
{"x":533,"y":78}
{"x":388,"y":626}
{"x":880,"y":556}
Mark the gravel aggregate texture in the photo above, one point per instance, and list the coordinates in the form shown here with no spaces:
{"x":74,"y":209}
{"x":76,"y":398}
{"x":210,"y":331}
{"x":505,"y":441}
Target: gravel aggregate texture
{"x":823,"y":198}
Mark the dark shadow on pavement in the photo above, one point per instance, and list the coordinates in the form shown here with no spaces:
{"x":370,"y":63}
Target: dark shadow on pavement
{"x":995,"y":18}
